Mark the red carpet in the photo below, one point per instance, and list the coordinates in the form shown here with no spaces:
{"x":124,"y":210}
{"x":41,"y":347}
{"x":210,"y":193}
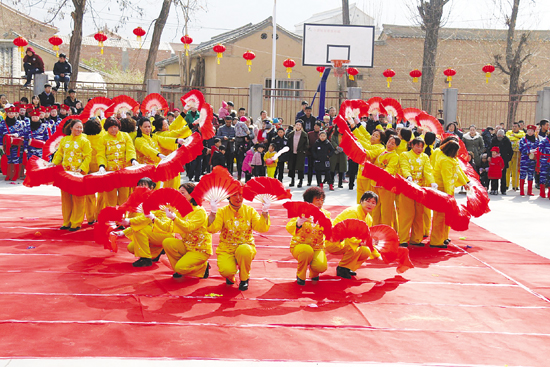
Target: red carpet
{"x":483,"y":301}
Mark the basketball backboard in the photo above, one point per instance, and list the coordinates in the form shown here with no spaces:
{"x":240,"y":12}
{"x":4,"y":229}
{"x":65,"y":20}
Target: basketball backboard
{"x":325,"y":42}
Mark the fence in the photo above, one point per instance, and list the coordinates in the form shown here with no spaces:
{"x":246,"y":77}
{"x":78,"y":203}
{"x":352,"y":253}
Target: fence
{"x":213,"y":95}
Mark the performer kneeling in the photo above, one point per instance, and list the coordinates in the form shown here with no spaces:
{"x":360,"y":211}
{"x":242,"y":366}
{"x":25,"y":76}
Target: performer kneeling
{"x":189,"y":256}
{"x":308,"y":240}
{"x":236,"y":222}
{"x":353,"y":254}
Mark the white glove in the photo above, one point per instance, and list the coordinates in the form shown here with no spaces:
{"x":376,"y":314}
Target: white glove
{"x":213,"y":206}
{"x":186,"y":108}
{"x":125,"y":222}
{"x":123,"y":115}
{"x":265,"y":207}
{"x":102,"y":170}
{"x":434,"y":186}
{"x":151,"y":216}
{"x":300,"y":222}
{"x":532,"y":151}
{"x":15,"y":135}
{"x":118,"y":233}
{"x":135,"y":163}
{"x":409,"y":179}
{"x":153,"y":111}
{"x":169,"y":214}
{"x":161,"y":156}
{"x":181,"y":141}
{"x":102,"y":114}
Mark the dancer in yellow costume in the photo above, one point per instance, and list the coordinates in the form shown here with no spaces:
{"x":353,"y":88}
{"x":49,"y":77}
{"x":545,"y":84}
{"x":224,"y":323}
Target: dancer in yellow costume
{"x":115,"y":152}
{"x":235,"y":223}
{"x":308,"y":240}
{"x":93,"y":131}
{"x":515,"y":135}
{"x":146,"y":232}
{"x":447,"y":175}
{"x":74,"y":154}
{"x":385,"y":213}
{"x":353,"y":253}
{"x":189,"y":256}
{"x":429,"y":141}
{"x":415,"y":166}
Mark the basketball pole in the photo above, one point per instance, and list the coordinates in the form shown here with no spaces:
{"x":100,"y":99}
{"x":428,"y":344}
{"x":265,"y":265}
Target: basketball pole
{"x":273,"y":60}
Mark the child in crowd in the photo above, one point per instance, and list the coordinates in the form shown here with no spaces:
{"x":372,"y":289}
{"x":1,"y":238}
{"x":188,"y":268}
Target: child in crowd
{"x":258,"y":163}
{"x":247,"y":167}
{"x":496,"y":165}
{"x":322,"y":150}
{"x":484,"y":170}
{"x":218,"y":158}
{"x":269,"y":162}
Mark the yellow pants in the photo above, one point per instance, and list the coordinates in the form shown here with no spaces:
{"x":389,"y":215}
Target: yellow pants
{"x":173,"y":183}
{"x":440,"y":232}
{"x":146,"y":243}
{"x":427,"y":221}
{"x":271,"y":171}
{"x":91,"y":208}
{"x":116,"y":196}
{"x":351,"y":259}
{"x":512,"y":170}
{"x":73,"y":208}
{"x":307,"y":256}
{"x":363,"y":185}
{"x":184,"y":262}
{"x":384,"y":212}
{"x":411,"y":220}
{"x":227,"y":262}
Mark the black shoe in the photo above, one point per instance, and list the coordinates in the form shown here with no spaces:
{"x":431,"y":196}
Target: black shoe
{"x":300,"y":281}
{"x":142,"y":262}
{"x":504,"y":193}
{"x":156,"y":259}
{"x":228,"y":282}
{"x":343,"y":272}
{"x":447,"y":241}
{"x":291,"y":183}
{"x":64,"y":228}
{"x":404,"y":244}
{"x":351,"y":187}
{"x":316,"y":279}
{"x":309,"y":183}
{"x":207,"y":271}
{"x":243,"y":286}
{"x":55,"y":89}
{"x":25,"y":86}
{"x":352,"y":273}
{"x":425,"y":236}
{"x":340,"y":186}
{"x":74,"y":229}
{"x":120,"y":228}
{"x":91,"y":223}
{"x":442,"y":246}
{"x":419,"y":244}
{"x":177,"y":275}
{"x":299,"y":183}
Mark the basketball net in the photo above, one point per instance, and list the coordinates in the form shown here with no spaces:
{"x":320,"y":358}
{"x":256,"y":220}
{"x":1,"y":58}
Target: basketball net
{"x":340,"y":67}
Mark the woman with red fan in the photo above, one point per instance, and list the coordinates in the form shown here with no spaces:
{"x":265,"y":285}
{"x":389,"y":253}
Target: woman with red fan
{"x":447,"y":176}
{"x":93,"y":131}
{"x":308,"y":240}
{"x":235,"y":222}
{"x":189,"y":256}
{"x":75,"y":154}
{"x":352,"y":251}
{"x":116,"y":151}
{"x":389,"y":161}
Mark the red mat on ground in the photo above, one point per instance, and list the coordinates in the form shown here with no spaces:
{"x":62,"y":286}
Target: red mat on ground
{"x":482,"y":301}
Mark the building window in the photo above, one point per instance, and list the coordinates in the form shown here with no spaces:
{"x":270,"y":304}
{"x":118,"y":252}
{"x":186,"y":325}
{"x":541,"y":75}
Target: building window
{"x":285,"y":88}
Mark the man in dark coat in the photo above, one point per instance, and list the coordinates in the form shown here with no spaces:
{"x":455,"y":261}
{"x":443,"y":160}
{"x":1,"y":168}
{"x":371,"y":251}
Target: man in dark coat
{"x":487,"y":136}
{"x":62,"y":72}
{"x":308,"y":120}
{"x":280,"y":142}
{"x":46,"y":98}
{"x":505,"y":145}
{"x":33,"y":64}
{"x":312,"y":138}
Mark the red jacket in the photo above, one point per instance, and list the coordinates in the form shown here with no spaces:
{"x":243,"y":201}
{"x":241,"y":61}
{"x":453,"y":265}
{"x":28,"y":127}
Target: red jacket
{"x":34,"y":60}
{"x":496,"y":165}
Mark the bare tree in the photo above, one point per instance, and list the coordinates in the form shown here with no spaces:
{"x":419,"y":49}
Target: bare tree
{"x":76,"y":38}
{"x":431,"y":14}
{"x":160,"y":22}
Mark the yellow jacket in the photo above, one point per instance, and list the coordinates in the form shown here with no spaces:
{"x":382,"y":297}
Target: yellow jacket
{"x":389,"y":161}
{"x":94,"y":141}
{"x":515,"y":138}
{"x":148,"y":148}
{"x":416,"y":166}
{"x":74,"y":153}
{"x":178,"y":129}
{"x":402,"y":147}
{"x":193,"y":231}
{"x":115,"y":152}
{"x":310,"y":234}
{"x":448,"y":175}
{"x":268,"y":155}
{"x":139,"y":221}
{"x":236,"y":226}
{"x":355,"y":212}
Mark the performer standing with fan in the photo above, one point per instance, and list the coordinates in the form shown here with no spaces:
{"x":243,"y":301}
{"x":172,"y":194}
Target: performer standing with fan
{"x":116,"y":151}
{"x":389,"y":161}
{"x":189,"y":256}
{"x":235,"y":223}
{"x":93,"y":131}
{"x":75,"y":154}
{"x":308,"y":240}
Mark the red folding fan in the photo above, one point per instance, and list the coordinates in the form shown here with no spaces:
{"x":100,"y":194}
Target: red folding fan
{"x":410,"y":114}
{"x":52,"y":144}
{"x":430,"y":123}
{"x":477,"y":199}
{"x":342,"y":124}
{"x":467,"y":168}
{"x":353,"y":149}
{"x":170,"y":166}
{"x":95,"y":106}
{"x":71,"y":182}
{"x":154,"y":103}
{"x":307,"y":210}
{"x":98,"y":182}
{"x":135,"y":201}
{"x":129,"y":176}
{"x":205,"y":122}
{"x":393,"y":107}
{"x":351,"y":228}
{"x":376,"y":106}
{"x":106,"y":223}
{"x":386,"y":241}
{"x":113,"y":242}
{"x":122,"y":104}
{"x":378,"y":174}
{"x":167,"y":198}
{"x":193,"y":98}
{"x":216,"y":186}
{"x":40,"y":173}
{"x":352,"y":108}
{"x":265,"y":190}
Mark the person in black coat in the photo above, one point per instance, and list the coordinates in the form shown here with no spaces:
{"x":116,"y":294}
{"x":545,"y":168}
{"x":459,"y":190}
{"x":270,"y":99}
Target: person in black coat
{"x":322,"y":151}
{"x":62,"y":71}
{"x":218,"y":158}
{"x":501,"y":141}
{"x":487,"y":136}
{"x":46,"y":98}
{"x":280,"y":142}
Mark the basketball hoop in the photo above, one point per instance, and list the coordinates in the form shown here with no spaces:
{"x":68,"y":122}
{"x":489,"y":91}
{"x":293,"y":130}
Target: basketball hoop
{"x":339,"y":67}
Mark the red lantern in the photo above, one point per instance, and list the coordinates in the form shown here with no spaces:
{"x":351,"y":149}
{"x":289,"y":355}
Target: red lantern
{"x":219,"y":49}
{"x":289,"y":64}
{"x":56,"y":42}
{"x":321,"y":70}
{"x":488,"y":69}
{"x":449,"y":73}
{"x":100,"y":37}
{"x":415,"y":74}
{"x":20,"y":42}
{"x":186,"y":40}
{"x":139,"y":32}
{"x":352,"y":72}
{"x":388,"y":73}
{"x":249,"y":56}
